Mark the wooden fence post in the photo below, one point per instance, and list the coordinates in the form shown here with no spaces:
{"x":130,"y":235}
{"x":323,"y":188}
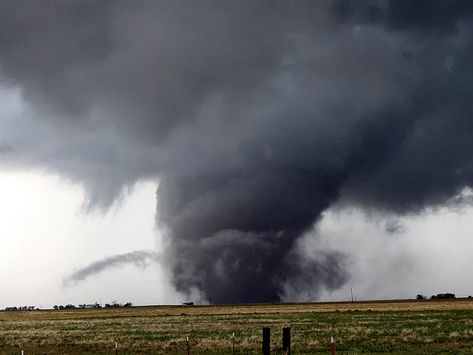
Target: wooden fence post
{"x":286,"y":340}
{"x":188,"y":346}
{"x":266,"y":341}
{"x":332,"y":345}
{"x":233,"y":344}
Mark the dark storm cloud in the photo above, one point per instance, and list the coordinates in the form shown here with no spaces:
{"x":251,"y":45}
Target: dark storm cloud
{"x":139,"y":258}
{"x":255,"y":116}
{"x":422,"y":15}
{"x":428,"y":14}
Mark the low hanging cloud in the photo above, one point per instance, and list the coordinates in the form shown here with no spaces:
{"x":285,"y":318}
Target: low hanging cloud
{"x":394,"y":226}
{"x":255,"y":117}
{"x":138,"y":258}
{"x":5,"y":149}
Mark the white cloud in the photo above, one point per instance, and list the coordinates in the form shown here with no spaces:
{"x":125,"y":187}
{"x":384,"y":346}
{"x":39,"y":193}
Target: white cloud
{"x":431,"y":255}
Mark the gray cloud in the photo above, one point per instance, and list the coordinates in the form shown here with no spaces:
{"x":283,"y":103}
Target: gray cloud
{"x":394,"y":227}
{"x":139,"y":258}
{"x":255,"y":116}
{"x":6,"y":148}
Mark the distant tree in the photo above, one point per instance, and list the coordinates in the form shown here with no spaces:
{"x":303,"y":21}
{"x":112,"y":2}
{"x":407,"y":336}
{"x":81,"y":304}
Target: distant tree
{"x":443,"y":296}
{"x":421,"y":297}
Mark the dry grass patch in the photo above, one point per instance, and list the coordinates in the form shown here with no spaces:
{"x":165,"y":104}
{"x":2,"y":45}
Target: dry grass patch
{"x":389,"y":327}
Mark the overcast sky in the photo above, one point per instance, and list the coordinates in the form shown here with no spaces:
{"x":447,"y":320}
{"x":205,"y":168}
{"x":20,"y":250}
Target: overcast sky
{"x":300,"y":148}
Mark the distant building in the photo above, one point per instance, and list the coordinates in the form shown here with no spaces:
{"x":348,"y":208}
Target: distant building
{"x":91,"y":306}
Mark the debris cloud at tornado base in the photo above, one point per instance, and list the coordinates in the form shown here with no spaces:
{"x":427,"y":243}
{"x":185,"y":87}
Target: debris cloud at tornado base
{"x":255,"y":117}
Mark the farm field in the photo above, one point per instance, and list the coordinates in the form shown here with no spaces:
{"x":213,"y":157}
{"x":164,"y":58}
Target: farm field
{"x":401,"y":327}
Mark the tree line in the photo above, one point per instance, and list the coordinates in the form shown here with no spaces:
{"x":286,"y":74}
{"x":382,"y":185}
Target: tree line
{"x":93,"y":306}
{"x":438,"y":296}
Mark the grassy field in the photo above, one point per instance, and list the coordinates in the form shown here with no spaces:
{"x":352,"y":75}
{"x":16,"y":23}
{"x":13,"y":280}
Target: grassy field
{"x":402,"y":327}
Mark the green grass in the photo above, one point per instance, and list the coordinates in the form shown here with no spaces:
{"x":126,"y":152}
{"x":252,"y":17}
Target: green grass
{"x":425,"y":328}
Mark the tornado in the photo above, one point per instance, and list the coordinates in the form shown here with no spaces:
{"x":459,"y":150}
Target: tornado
{"x":254,"y":117}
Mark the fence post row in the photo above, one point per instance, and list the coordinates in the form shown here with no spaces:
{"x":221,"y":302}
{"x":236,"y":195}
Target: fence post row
{"x":266,"y":341}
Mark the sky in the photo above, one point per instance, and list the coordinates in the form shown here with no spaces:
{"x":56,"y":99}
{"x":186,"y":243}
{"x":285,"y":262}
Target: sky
{"x":47,"y":235}
{"x":294,"y":149}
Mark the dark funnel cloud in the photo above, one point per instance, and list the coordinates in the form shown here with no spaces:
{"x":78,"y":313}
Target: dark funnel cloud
{"x":255,"y":116}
